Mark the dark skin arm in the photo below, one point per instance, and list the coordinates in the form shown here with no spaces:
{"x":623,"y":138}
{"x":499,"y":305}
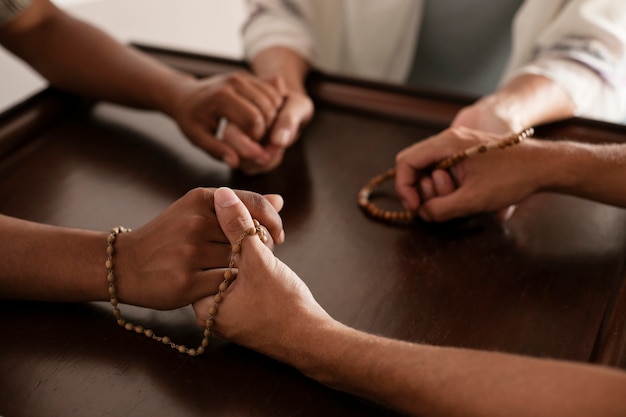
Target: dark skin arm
{"x":168,"y":263}
{"x":76,"y":56}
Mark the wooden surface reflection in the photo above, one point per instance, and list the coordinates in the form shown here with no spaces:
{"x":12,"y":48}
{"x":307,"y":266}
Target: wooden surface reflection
{"x":545,"y":283}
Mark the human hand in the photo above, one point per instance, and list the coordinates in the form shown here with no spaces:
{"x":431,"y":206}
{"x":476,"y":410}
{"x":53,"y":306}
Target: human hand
{"x":523,"y":101}
{"x":267,"y":302}
{"x":171,"y":261}
{"x":489,"y":115}
{"x":247,"y":102}
{"x":296,"y":112}
{"x":488,"y":182}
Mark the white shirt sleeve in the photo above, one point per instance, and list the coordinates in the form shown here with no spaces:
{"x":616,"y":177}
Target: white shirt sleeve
{"x":581,"y":46}
{"x":273,"y":23}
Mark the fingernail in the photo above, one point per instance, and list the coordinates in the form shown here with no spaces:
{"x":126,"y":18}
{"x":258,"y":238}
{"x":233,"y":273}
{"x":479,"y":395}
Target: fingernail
{"x":225,"y":197}
{"x":281,"y":137}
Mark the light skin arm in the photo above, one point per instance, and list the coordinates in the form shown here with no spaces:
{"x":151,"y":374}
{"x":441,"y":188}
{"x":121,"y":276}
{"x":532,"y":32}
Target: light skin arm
{"x":413,"y":378}
{"x":525,"y":101}
{"x":167,"y":263}
{"x":496,"y":179}
{"x":297,"y":110}
{"x":75,"y":56}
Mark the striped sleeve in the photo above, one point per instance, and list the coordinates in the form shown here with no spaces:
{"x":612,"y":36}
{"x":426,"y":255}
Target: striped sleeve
{"x":9,"y":9}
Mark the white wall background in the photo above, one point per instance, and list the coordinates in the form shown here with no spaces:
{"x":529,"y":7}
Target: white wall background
{"x":204,"y":26}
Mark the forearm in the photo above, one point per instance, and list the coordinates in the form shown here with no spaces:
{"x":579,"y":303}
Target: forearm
{"x":80,"y":58}
{"x":525,"y":101}
{"x":41,"y":262}
{"x":596,"y":172}
{"x":283,"y":62}
{"x":437,"y":381}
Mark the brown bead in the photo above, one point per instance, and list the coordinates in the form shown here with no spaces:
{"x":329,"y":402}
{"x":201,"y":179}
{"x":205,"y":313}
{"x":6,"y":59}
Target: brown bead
{"x":207,"y":333}
{"x":228,"y":274}
{"x":121,"y":321}
{"x":128,"y":326}
{"x":212,"y":310}
{"x":223,"y":286}
{"x":149,"y":333}
{"x":138,"y":329}
{"x":236,"y":248}
{"x":182,"y":349}
{"x":110,"y":250}
{"x":166,"y":340}
{"x":218,"y":298}
{"x":192,"y":352}
{"x":108,"y":264}
{"x":200,"y":350}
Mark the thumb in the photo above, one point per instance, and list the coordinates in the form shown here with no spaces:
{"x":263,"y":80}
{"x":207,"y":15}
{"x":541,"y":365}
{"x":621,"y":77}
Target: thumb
{"x":232,"y":215}
{"x":294,"y":114}
{"x":284,"y":130}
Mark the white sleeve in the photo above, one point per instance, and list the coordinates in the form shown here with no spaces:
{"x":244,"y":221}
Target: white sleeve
{"x":582,"y":48}
{"x":277,"y":23}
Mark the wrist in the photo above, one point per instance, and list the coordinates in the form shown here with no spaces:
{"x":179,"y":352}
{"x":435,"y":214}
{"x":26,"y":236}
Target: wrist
{"x":567,"y":164}
{"x":284,"y":63}
{"x":530,"y":100}
{"x":505,"y":112}
{"x":169,"y":98}
{"x":318,"y":349}
{"x":292,"y":343}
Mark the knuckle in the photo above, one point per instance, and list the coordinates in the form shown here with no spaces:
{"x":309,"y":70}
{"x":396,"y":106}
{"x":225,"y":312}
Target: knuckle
{"x":237,"y":79}
{"x":197,"y":195}
{"x":188,"y":251}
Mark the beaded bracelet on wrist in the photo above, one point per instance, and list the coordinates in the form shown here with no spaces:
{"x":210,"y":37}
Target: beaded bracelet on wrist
{"x":400,"y":217}
{"x":219,"y":296}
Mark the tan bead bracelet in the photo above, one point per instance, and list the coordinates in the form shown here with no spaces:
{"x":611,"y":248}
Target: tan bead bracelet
{"x":219,"y":296}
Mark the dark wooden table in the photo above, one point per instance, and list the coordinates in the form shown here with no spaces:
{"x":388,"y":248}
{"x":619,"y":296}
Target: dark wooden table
{"x":549,"y":282}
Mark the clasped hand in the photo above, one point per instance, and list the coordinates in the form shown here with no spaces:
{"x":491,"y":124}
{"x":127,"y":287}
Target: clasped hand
{"x":259,"y":114}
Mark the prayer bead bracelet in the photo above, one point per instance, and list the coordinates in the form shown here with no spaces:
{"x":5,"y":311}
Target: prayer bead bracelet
{"x":219,"y":296}
{"x":511,"y":140}
{"x":404,"y":216}
{"x":388,"y":216}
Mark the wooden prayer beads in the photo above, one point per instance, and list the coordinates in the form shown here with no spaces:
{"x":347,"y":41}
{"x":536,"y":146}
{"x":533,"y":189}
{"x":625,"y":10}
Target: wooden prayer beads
{"x":137,"y":328}
{"x":406,"y":217}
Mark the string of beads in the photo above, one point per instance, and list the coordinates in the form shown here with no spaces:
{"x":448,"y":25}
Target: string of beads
{"x":511,"y":140}
{"x":400,"y":217}
{"x":219,"y":296}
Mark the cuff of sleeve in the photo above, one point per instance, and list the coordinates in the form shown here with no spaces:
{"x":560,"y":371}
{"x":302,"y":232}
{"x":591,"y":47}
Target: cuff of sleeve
{"x":592,"y":95}
{"x":287,"y":33}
